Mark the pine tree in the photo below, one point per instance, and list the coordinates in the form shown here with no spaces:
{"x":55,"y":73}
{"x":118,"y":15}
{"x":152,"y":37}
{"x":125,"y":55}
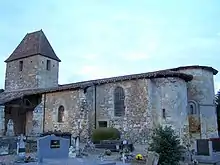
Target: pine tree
{"x":167,"y":145}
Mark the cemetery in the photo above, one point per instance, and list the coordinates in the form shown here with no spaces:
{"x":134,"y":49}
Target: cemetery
{"x":55,"y":147}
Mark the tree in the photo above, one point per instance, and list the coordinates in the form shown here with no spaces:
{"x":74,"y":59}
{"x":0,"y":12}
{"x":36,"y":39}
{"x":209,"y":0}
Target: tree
{"x":217,"y":102}
{"x":167,"y":145}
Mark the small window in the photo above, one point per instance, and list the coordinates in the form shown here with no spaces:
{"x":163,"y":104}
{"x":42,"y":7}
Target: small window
{"x":20,"y":65}
{"x":48,"y":64}
{"x":103,"y":124}
{"x":193,"y":108}
{"x":164,"y":113}
{"x":61,"y":114}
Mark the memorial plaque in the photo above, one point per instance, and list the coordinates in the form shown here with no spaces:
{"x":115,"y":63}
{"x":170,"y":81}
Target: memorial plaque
{"x":54,"y":144}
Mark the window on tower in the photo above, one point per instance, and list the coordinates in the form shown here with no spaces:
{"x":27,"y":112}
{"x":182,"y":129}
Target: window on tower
{"x":20,"y":65}
{"x":48,"y":64}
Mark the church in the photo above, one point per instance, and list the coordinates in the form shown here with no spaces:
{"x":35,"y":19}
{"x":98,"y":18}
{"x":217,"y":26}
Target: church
{"x":182,"y":97}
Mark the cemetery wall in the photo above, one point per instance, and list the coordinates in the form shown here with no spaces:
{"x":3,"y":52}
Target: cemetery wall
{"x":201,"y":90}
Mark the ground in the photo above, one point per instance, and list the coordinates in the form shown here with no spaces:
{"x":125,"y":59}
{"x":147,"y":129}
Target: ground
{"x":9,"y":159}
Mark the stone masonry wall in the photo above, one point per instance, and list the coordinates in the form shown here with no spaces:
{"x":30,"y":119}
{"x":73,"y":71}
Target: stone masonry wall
{"x":72,"y":102}
{"x":47,"y":78}
{"x":135,"y":122}
{"x":201,"y":90}
{"x":33,"y":75}
{"x":170,"y":94}
{"x":37,"y":117}
{"x":144,"y":101}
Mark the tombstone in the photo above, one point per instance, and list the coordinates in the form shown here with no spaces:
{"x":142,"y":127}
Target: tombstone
{"x":10,"y":128}
{"x":152,"y":158}
{"x":52,"y":147}
{"x":21,"y":147}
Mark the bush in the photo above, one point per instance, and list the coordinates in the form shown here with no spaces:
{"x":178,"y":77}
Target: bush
{"x":167,"y":145}
{"x":105,"y":134}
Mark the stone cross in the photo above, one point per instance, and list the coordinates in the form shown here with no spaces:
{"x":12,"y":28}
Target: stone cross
{"x":10,"y":128}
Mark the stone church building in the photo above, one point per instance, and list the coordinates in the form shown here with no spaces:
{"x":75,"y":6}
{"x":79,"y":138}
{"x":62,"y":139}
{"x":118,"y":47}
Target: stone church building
{"x":181,"y":97}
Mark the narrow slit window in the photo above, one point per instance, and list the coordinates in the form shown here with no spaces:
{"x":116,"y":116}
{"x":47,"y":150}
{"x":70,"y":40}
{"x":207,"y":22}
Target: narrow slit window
{"x":20,"y":65}
{"x":48,"y":64}
{"x":164,"y":113}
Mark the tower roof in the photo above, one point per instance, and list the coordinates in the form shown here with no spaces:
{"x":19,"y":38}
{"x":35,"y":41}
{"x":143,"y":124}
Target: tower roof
{"x":34,"y":43}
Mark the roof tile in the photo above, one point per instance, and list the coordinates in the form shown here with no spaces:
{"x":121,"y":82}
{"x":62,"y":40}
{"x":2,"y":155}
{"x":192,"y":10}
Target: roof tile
{"x":32,"y":44}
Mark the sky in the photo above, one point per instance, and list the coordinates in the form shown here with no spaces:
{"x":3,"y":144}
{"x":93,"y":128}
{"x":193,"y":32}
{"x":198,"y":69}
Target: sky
{"x":104,"y":38}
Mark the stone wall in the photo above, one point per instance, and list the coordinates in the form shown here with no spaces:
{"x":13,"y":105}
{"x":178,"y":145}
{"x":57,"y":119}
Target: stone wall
{"x":169,"y":104}
{"x":134,"y":122}
{"x":33,"y":75}
{"x":201,"y":90}
{"x":72,"y":102}
{"x":47,"y":78}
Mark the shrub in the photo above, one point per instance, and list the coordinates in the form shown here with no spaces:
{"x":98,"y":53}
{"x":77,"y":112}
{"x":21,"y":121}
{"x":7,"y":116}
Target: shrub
{"x":167,"y":145}
{"x":105,"y":134}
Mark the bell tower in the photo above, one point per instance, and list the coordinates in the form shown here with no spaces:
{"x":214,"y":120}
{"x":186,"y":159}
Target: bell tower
{"x":33,"y":64}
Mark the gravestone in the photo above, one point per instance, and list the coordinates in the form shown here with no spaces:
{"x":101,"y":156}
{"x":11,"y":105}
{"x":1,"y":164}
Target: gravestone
{"x":202,"y":147}
{"x":10,"y":128}
{"x":152,"y":158}
{"x":21,"y":147}
{"x":52,"y":147}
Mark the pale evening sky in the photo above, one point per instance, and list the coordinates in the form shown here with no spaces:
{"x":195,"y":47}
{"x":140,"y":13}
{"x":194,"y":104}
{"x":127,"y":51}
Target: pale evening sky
{"x":104,"y":38}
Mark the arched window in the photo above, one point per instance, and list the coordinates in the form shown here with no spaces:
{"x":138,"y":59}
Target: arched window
{"x":61,"y":114}
{"x":119,"y":97}
{"x":193,"y":108}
